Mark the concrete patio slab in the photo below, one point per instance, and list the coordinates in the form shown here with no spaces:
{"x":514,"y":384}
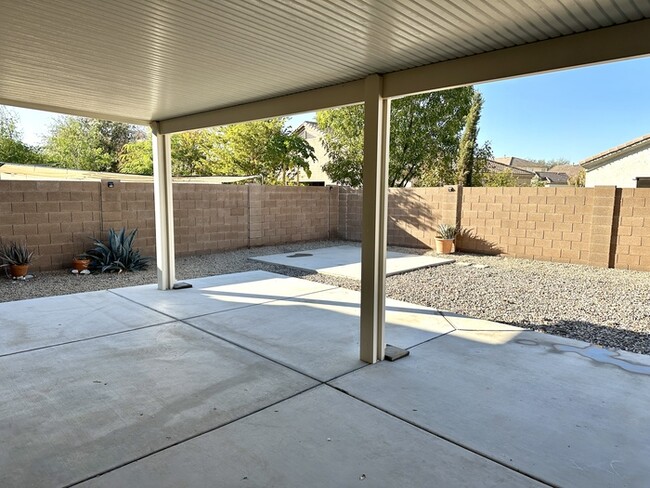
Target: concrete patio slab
{"x":345,"y":261}
{"x":321,"y":438}
{"x":171,"y":405}
{"x":73,"y":411}
{"x":318,"y":334}
{"x":41,"y":322}
{"x":219,"y":293}
{"x":542,"y":404}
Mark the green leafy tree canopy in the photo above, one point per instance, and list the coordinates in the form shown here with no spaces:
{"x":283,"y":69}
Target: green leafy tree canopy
{"x":12,"y":148}
{"x":265,"y":148}
{"x":501,"y":178}
{"x":425,"y":132}
{"x":88,"y":144}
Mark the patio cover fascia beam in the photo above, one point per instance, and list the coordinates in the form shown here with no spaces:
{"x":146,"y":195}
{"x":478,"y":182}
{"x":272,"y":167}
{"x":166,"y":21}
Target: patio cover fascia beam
{"x":318,"y":99}
{"x":587,"y":48}
{"x":607,"y":44}
{"x":67,"y":111}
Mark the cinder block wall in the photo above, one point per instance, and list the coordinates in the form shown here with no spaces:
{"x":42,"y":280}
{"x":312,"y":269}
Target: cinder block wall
{"x":601,"y":226}
{"x":290,"y":214}
{"x":57,"y":219}
{"x":552,"y":224}
{"x":413,"y":214}
{"x":632,"y":249}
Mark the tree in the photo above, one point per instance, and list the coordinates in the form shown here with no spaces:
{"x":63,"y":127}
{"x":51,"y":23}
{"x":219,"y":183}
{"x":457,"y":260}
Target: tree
{"x":424,"y":138}
{"x":537,"y":182}
{"x":191,"y":155}
{"x":343,"y":140}
{"x":263,"y":148}
{"x":579,"y":179}
{"x":502,"y":178}
{"x":88,"y":144}
{"x":12,"y":148}
{"x":425,"y":132}
{"x":549,"y":163}
{"x":472,"y":159}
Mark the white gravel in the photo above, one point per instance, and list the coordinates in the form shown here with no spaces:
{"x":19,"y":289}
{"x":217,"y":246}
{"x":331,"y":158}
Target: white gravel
{"x":607,"y":307}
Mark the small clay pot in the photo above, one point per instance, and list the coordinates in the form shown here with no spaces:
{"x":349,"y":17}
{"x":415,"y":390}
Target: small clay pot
{"x":445,"y":246}
{"x":80,"y":264}
{"x":18,"y":270}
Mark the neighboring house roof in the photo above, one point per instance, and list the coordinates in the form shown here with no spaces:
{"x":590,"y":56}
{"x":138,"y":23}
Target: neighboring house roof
{"x":310,"y":125}
{"x":570,"y":169}
{"x":497,"y":167}
{"x":553,"y":177}
{"x":11,"y":171}
{"x":520,"y":163}
{"x":605,"y":157}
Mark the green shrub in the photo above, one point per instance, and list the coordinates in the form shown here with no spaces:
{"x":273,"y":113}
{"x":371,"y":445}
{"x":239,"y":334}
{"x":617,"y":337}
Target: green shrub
{"x":117,"y":253}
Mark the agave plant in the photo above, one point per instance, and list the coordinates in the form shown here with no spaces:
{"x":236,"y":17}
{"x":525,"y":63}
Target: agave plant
{"x":447,"y":231}
{"x":16,"y":253}
{"x":117,"y":253}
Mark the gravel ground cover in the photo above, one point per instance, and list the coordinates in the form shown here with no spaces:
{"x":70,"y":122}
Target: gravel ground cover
{"x":607,"y":307}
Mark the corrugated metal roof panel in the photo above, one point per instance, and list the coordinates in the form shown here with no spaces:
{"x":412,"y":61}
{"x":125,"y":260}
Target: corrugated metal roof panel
{"x":158,"y":59}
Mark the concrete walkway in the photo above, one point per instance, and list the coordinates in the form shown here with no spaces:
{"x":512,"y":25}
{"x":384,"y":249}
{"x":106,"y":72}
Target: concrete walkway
{"x":252,"y":379}
{"x":345,"y":261}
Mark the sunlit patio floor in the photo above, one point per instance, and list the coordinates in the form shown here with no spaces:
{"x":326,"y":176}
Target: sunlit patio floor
{"x":253,"y":379}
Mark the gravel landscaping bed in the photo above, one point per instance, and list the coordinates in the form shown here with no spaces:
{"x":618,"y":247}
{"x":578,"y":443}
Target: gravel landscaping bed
{"x":607,"y":307}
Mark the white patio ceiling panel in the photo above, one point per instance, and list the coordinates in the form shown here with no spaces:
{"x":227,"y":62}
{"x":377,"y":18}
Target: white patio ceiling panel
{"x":153,"y":60}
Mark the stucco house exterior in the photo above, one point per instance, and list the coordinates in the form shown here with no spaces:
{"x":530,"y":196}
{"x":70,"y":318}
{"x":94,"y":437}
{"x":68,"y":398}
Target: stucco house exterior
{"x":313,"y":135}
{"x":624,"y":166}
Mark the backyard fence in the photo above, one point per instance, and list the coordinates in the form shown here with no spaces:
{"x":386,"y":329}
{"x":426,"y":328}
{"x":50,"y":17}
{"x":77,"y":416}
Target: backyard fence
{"x":57,"y":218}
{"x":603,"y":226}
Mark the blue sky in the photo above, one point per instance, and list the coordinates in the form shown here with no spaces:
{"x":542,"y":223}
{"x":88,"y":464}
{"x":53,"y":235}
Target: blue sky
{"x":570,"y":114}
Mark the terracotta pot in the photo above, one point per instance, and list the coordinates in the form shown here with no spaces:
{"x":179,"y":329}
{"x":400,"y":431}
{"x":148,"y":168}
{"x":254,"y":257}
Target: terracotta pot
{"x":445,"y":246}
{"x":18,"y":270}
{"x":80,"y":264}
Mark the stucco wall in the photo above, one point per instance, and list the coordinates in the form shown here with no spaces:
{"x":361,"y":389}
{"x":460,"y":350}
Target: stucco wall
{"x":621,"y":171}
{"x":317,"y":173}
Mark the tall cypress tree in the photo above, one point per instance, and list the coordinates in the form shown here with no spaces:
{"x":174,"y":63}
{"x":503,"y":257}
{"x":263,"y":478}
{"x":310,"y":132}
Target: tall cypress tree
{"x":467,"y":150}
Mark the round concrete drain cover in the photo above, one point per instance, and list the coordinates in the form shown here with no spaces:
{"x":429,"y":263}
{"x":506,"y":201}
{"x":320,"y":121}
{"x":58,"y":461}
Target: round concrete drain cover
{"x":300,"y":255}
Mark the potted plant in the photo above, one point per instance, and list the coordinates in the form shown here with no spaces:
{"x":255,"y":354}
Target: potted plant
{"x":80,"y":263}
{"x":445,"y":240}
{"x":17,"y":256}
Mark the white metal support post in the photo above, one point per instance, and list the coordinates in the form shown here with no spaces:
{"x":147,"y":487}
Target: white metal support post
{"x":164,"y":208}
{"x":374,"y":210}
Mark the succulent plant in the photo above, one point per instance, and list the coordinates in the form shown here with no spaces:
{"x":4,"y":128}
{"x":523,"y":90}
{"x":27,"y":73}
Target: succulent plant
{"x":447,"y":231}
{"x":15,"y":253}
{"x":116,"y":254}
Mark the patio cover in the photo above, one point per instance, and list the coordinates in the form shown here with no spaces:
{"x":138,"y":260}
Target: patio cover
{"x":182,"y":65}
